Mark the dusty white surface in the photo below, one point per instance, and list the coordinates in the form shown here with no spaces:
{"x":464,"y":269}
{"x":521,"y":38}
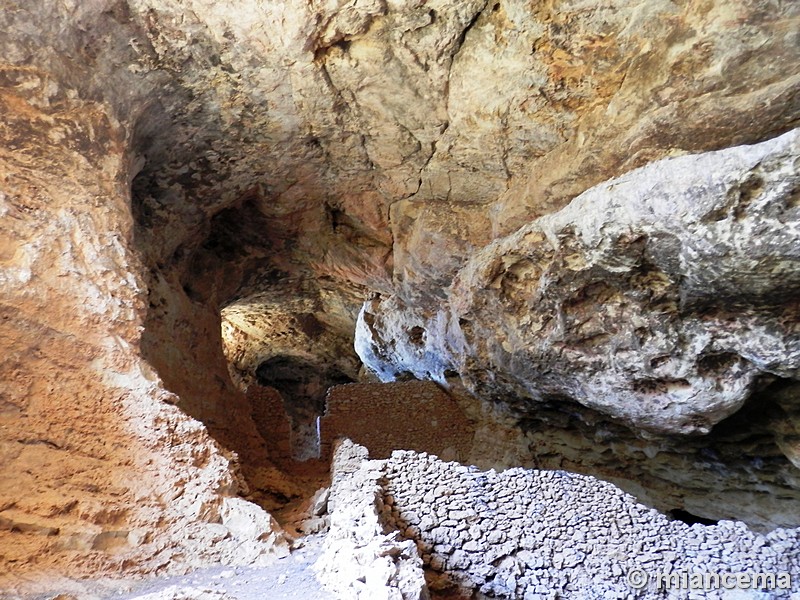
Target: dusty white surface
{"x":287,"y":578}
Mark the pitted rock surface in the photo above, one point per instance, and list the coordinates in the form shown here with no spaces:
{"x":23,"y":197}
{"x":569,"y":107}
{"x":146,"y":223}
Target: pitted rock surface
{"x":659,"y":297}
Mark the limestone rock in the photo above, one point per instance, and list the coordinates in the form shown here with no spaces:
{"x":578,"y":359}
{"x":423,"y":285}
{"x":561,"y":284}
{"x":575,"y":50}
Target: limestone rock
{"x":359,"y":561}
{"x":611,"y":329}
{"x":247,"y":521}
{"x":319,"y":503}
{"x":161,"y":160}
{"x":660,"y":297}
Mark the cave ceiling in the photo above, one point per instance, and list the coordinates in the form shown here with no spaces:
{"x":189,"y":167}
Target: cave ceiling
{"x":288,"y":159}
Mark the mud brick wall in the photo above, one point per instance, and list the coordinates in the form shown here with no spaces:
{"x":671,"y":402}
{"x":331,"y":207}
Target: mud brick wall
{"x":410,"y":415}
{"x":266,"y":406}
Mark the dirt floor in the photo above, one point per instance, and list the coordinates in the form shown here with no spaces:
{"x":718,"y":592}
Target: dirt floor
{"x":287,"y":578}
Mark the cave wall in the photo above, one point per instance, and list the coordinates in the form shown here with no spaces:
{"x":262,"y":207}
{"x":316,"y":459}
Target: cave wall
{"x":644,"y":315}
{"x":101,"y":472}
{"x":71,"y":302}
{"x":182,"y":341}
{"x":163,"y":159}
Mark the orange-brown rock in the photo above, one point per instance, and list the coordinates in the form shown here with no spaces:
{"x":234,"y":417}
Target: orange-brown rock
{"x":163,"y":162}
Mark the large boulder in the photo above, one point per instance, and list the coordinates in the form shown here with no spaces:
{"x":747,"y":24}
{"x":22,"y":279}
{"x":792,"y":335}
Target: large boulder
{"x":662,"y":297}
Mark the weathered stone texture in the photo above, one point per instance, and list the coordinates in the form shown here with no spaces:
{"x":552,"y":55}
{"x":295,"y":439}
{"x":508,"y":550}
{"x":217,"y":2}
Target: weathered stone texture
{"x":529,"y":533}
{"x":100,"y":471}
{"x":161,"y":159}
{"x":661,"y":300}
{"x":272,"y":421}
{"x":360,"y":561}
{"x":659,"y":297}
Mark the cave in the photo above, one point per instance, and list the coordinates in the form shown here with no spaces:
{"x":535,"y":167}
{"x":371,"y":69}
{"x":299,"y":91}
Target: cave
{"x":689,"y":518}
{"x":430,"y":299}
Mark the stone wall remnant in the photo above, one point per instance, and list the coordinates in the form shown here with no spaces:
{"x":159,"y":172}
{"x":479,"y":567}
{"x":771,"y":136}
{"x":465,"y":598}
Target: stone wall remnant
{"x":534,"y":534}
{"x":415,"y":415}
{"x":361,"y":560}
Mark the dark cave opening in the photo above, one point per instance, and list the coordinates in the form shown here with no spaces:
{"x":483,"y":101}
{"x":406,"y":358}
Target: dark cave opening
{"x":302,"y":383}
{"x":303,"y":387}
{"x":680,"y":514}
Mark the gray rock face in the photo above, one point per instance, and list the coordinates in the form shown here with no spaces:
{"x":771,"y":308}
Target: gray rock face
{"x":660,"y":298}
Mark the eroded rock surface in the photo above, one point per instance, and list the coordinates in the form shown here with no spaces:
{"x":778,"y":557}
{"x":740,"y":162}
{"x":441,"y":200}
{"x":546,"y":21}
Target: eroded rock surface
{"x":659,"y":297}
{"x":162,"y":159}
{"x":100,"y":470}
{"x":660,"y":300}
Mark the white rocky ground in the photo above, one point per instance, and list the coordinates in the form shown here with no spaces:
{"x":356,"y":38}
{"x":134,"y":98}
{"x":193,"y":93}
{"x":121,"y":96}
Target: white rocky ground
{"x":288,"y":578}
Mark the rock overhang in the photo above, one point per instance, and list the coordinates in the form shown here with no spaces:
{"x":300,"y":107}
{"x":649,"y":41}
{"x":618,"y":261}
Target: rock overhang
{"x":372,"y":148}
